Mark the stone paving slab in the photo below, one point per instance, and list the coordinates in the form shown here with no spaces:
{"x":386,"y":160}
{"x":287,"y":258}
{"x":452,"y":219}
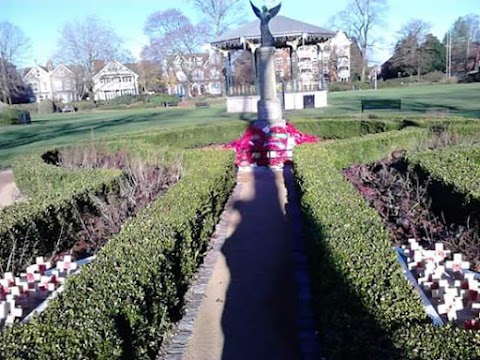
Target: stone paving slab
{"x":251,"y":297}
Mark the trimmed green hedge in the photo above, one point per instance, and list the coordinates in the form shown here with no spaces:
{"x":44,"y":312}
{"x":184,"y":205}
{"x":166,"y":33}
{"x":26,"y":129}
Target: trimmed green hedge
{"x":457,"y":166}
{"x":122,"y":305}
{"x":366,"y":309}
{"x":346,"y":128}
{"x":198,"y":136}
{"x":49,"y":219}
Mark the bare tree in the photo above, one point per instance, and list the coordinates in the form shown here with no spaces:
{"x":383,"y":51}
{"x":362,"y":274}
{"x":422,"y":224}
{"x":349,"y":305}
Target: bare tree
{"x":85,"y":42}
{"x":464,"y":32}
{"x":150,"y":76}
{"x":359,"y":20}
{"x":174,"y":42}
{"x":409,"y":51}
{"x":220,"y":14}
{"x":14,"y":45}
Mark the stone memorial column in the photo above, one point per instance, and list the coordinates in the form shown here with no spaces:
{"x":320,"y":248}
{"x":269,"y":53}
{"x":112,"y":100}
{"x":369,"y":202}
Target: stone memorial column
{"x":269,"y":105}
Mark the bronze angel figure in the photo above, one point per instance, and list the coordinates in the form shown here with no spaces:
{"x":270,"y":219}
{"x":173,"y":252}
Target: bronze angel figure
{"x":265,"y":15}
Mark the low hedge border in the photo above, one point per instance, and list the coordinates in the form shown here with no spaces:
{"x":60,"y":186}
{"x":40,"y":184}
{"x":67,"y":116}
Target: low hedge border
{"x":457,"y":166}
{"x":122,"y":305}
{"x":365,"y":307}
{"x":204,"y":135}
{"x":48,"y":220}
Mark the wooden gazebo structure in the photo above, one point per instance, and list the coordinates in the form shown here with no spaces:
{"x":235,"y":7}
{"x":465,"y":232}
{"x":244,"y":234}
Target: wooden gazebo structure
{"x":288,"y":33}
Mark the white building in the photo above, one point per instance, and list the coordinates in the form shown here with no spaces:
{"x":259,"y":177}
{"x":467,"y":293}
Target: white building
{"x":57,"y":84}
{"x":333,"y":59}
{"x":114,"y":79}
{"x":336,"y":57}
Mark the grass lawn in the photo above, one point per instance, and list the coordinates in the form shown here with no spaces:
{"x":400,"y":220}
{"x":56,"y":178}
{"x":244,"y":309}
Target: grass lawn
{"x":54,"y":129}
{"x":458,"y":99}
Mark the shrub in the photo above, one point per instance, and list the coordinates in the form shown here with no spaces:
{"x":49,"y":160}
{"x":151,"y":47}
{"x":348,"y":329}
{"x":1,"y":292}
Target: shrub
{"x":46,"y":106}
{"x":49,"y":220}
{"x":14,"y":117}
{"x":122,"y":305}
{"x":435,"y":77}
{"x":32,"y":108}
{"x":365,"y":307}
{"x":83,"y":105}
{"x":456,"y":166}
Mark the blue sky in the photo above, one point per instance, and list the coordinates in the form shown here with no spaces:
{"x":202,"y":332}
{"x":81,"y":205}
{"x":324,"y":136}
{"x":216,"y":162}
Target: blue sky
{"x":41,"y":20}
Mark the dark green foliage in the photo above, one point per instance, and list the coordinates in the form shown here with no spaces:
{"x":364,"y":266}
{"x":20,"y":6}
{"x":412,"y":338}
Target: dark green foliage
{"x":198,"y":136}
{"x":204,"y":135}
{"x":456,"y":166}
{"x":122,"y":305}
{"x":366,"y":309}
{"x":346,"y":128}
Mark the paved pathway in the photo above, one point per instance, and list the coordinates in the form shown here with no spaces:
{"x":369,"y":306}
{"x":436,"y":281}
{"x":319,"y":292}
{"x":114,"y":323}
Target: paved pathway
{"x":8,"y":189}
{"x":249,"y":307}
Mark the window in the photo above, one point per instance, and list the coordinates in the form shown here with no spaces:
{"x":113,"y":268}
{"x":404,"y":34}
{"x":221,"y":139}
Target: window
{"x":127,"y":79}
{"x":279,"y":61}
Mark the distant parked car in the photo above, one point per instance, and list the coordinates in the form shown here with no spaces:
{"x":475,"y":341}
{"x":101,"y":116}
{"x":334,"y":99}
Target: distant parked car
{"x":68,"y":108}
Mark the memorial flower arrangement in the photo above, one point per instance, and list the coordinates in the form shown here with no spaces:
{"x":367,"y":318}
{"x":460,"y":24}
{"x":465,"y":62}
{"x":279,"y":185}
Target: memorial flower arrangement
{"x":268,"y":146}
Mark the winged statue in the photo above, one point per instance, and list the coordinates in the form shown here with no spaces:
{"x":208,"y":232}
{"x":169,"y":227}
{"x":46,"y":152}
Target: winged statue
{"x":265,"y":15}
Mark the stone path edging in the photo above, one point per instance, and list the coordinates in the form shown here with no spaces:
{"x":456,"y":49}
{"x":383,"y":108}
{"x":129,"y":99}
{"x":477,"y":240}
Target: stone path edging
{"x":176,"y":345}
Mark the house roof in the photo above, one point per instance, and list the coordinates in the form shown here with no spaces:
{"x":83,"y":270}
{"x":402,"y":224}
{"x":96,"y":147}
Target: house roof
{"x":282,"y":28}
{"x":120,"y":67}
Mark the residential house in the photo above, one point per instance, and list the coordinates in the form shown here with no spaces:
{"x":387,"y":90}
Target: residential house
{"x":38,"y":78}
{"x":198,"y":74}
{"x":114,"y":79}
{"x":332,"y":59}
{"x":64,"y":84}
{"x":54,"y":83}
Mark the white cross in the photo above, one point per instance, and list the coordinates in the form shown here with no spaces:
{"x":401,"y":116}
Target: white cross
{"x":451,"y":306}
{"x":440,"y":252}
{"x":456,"y":265}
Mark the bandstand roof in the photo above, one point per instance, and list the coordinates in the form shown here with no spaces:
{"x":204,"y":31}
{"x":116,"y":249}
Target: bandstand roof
{"x":282,"y":28}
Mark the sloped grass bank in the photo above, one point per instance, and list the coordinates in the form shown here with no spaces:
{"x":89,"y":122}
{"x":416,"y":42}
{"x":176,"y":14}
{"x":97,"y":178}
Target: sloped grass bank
{"x":365,"y":307}
{"x":122,"y":305}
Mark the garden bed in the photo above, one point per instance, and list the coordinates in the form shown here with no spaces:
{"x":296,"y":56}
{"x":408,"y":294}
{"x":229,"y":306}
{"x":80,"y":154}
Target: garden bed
{"x":436,"y":235}
{"x":122,"y":305}
{"x":88,"y":225}
{"x":415,"y":206}
{"x":141,"y":184}
{"x":365,"y":307}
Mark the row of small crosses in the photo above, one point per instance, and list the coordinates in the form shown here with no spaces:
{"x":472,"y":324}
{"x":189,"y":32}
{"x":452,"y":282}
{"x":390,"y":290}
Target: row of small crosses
{"x":448,"y":283}
{"x":21,"y":294}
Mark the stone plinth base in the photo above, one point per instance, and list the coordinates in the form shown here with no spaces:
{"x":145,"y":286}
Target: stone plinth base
{"x":270,"y":112}
{"x":293,"y":101}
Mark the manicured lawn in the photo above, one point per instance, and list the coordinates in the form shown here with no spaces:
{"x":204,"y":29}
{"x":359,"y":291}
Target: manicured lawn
{"x":54,"y":129}
{"x":458,"y":99}
{"x":70,"y":128}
